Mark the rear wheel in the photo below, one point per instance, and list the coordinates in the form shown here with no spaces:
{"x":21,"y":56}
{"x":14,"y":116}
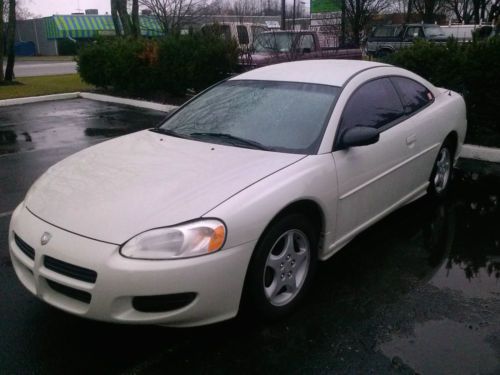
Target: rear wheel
{"x":442,"y":172}
{"x":282,"y":267}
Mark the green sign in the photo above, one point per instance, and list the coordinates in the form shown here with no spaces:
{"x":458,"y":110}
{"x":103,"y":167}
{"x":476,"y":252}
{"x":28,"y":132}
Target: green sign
{"x":326,"y":6}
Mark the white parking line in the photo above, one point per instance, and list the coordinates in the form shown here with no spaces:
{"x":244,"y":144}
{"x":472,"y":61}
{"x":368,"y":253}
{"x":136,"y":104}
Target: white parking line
{"x":6,"y":214}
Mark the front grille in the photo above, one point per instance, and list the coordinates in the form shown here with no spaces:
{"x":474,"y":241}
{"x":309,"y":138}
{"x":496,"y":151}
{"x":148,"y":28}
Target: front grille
{"x":70,"y":270}
{"x":162,"y":303}
{"x":79,"y":295}
{"x":24,"y":247}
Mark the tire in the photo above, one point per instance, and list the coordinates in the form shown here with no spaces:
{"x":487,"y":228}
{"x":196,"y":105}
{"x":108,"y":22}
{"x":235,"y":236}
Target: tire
{"x":442,"y":172}
{"x":282,"y":267}
{"x":383,"y":53}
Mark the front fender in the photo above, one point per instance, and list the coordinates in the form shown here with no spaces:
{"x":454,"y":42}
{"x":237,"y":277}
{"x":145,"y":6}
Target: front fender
{"x":248,"y":213}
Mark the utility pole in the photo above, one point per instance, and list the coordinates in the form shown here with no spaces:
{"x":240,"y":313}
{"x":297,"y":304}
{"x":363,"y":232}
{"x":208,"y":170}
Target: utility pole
{"x":342,"y":25}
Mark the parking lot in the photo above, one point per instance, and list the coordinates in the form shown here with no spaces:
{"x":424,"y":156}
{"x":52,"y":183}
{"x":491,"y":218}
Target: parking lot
{"x":417,"y":292}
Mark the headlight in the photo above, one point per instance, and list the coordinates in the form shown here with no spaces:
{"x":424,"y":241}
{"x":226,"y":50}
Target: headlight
{"x":182,"y":241}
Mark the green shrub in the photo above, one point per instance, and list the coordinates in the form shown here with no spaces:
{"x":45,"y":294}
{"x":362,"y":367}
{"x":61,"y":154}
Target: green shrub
{"x":195,"y":61}
{"x":115,"y":62}
{"x":471,"y":69}
{"x":172,"y":64}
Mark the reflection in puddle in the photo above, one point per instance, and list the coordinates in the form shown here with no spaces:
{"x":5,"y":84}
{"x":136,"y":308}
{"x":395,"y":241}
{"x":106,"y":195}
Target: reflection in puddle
{"x":7,"y":137}
{"x":8,"y":142}
{"x":472,"y":264}
{"x":462,"y":240}
{"x":444,"y":347}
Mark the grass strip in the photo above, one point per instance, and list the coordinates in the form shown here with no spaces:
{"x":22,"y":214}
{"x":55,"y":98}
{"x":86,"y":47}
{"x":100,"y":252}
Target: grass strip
{"x":43,"y":85}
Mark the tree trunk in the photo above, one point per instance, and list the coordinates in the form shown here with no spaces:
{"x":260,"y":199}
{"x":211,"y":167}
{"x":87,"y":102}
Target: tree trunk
{"x":1,"y":40}
{"x":124,"y":17}
{"x":408,"y":13}
{"x":11,"y":34}
{"x":114,"y":16}
{"x":136,"y":26}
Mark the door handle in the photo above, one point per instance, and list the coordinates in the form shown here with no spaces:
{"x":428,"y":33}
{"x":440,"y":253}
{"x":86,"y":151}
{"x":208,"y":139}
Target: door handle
{"x":411,"y":139}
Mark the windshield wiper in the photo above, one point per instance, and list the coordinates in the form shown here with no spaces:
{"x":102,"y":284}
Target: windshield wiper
{"x":168,"y":132}
{"x":234,"y":140}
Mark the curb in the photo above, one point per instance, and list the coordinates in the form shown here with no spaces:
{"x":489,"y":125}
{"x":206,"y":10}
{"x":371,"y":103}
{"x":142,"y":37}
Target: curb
{"x":131,"y":102}
{"x":482,"y":153}
{"x":89,"y":96}
{"x":38,"y":99}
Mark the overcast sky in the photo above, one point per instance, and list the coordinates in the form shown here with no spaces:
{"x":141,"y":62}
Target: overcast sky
{"x":50,"y":7}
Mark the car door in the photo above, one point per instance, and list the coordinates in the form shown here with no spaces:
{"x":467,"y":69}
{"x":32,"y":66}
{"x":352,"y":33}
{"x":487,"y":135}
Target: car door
{"x":416,"y":98}
{"x":373,"y":179}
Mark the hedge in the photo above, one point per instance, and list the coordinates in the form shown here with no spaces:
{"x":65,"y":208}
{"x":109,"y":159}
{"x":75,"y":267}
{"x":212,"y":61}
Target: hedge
{"x":172,"y":64}
{"x":472,"y":69}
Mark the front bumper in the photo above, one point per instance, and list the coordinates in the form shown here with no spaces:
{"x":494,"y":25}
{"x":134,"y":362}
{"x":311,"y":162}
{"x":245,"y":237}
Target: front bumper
{"x":216,"y":279}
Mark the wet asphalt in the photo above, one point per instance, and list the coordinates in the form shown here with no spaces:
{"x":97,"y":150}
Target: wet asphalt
{"x":419,"y":292}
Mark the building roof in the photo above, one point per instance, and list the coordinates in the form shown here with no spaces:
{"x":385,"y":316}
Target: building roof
{"x":89,"y":26}
{"x":325,"y":72}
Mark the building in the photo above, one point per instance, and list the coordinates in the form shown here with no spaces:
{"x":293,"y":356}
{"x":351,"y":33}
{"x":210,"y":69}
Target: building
{"x":47,"y":34}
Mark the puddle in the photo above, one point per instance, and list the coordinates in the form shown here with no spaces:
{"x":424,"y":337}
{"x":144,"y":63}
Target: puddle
{"x":472,"y":263}
{"x":481,"y":283}
{"x":444,"y":347}
{"x":49,"y":125}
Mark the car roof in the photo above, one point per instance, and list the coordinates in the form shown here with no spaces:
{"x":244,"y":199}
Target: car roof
{"x":325,"y":72}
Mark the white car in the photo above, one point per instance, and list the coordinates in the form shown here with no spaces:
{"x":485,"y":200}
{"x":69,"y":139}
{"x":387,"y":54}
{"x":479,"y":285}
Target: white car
{"x":232,"y":201}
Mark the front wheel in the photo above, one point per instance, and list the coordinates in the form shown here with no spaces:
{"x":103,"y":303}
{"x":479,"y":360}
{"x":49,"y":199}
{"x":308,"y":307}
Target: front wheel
{"x":282,"y":267}
{"x":442,"y":172}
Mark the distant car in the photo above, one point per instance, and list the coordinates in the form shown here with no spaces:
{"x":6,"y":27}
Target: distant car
{"x":389,"y":38}
{"x":236,"y":196}
{"x":243,"y":33}
{"x":279,"y":46}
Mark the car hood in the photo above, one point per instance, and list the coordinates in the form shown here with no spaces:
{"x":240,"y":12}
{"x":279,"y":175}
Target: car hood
{"x":117,"y":189}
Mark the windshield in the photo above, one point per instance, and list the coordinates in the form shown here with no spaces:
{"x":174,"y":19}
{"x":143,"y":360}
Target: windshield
{"x":278,"y":116}
{"x":433,"y":31}
{"x":273,"y":42}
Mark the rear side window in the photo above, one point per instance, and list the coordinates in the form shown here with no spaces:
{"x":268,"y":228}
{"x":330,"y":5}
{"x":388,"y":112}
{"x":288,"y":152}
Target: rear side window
{"x":413,"y":94}
{"x":242,"y":34}
{"x":374,"y":104}
{"x":415,"y":32}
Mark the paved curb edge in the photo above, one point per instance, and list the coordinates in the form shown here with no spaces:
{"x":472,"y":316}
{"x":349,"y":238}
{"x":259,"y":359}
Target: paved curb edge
{"x":468,"y":151}
{"x":36,"y":99}
{"x":90,"y":96}
{"x":131,"y":102}
{"x":480,"y":153}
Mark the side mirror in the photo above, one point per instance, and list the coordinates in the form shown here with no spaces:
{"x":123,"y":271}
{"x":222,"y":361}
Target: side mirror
{"x":359,"y":136}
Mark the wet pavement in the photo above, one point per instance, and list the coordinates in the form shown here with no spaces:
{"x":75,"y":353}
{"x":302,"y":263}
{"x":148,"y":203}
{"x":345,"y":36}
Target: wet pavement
{"x":419,"y":292}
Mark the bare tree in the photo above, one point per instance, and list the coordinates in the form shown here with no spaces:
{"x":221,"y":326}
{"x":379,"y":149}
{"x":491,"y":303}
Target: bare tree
{"x":359,"y":13}
{"x":123,"y":23}
{"x":11,"y":33}
{"x":429,"y":9}
{"x":173,"y":14}
{"x":460,"y":9}
{"x":242,"y":8}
